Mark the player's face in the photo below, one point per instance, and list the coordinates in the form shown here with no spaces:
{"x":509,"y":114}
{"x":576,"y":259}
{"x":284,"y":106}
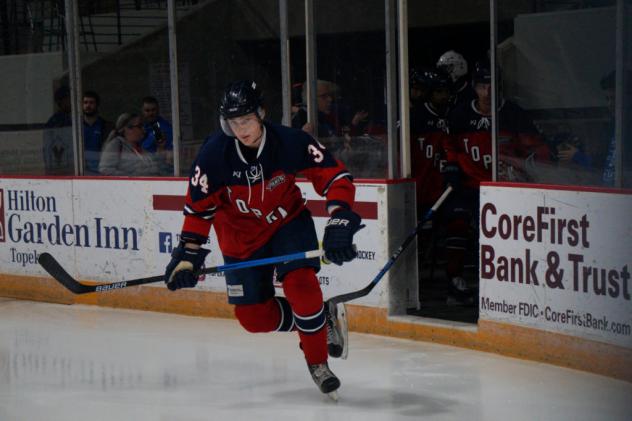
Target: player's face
{"x":440,"y":97}
{"x":416,"y":92}
{"x":89,"y":106}
{"x":484,"y":92}
{"x":247,"y":129}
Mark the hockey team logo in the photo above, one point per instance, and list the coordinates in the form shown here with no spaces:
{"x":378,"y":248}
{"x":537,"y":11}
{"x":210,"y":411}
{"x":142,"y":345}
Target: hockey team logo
{"x":275,"y":182}
{"x":484,"y":123}
{"x":2,"y":216}
{"x":254,"y":174}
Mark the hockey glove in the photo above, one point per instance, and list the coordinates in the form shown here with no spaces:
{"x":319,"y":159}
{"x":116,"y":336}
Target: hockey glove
{"x":452,"y":175}
{"x":180,"y":272}
{"x":338,"y":239}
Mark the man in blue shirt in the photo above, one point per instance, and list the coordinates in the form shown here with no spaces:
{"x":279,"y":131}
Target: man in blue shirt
{"x":157,"y":129}
{"x":62,"y":117}
{"x":95,"y":131}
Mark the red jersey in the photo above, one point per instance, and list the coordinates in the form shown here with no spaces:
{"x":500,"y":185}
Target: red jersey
{"x":248,"y":194}
{"x":471,"y":145}
{"x":429,"y":138}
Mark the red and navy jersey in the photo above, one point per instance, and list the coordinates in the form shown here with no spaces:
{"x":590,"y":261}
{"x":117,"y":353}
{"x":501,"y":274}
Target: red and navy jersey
{"x":471,"y":145}
{"x":429,"y":136}
{"x":248,"y":194}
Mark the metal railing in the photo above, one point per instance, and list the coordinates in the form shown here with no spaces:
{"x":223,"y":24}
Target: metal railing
{"x":28,"y":26}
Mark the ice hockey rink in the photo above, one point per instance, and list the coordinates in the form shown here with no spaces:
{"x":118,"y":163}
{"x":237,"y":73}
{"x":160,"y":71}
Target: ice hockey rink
{"x":60,"y":362}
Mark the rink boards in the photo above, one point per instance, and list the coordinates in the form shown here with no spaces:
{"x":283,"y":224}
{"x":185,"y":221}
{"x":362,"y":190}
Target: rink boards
{"x":557,"y":259}
{"x":120,"y":229}
{"x":126,"y":228}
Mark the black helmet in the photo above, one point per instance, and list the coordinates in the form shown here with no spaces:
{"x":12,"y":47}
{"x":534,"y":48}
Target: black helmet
{"x":434,"y":79}
{"x":415,"y":77}
{"x":482,"y":73}
{"x":240,"y":98}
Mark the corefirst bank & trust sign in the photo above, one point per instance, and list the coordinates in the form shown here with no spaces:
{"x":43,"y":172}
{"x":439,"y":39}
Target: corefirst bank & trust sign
{"x":557,"y":260}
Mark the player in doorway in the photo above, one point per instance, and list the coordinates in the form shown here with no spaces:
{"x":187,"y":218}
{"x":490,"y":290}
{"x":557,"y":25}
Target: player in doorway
{"x":455,"y":65}
{"x":429,"y":135}
{"x":469,"y":161}
{"x":243,"y":183}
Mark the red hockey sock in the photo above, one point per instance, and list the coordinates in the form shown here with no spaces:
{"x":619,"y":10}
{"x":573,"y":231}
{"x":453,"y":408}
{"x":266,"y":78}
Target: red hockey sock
{"x":256,"y":318}
{"x":304,"y":295}
{"x":455,"y":262}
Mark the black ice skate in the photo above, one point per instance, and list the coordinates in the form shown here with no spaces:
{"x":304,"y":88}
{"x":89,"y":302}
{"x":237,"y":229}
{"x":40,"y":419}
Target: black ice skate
{"x":459,"y":293}
{"x":326,"y":381}
{"x":337,"y":330}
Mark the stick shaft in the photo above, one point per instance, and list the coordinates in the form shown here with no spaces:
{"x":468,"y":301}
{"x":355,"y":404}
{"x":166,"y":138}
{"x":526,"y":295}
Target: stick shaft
{"x":366,"y":290}
{"x":50,"y":264}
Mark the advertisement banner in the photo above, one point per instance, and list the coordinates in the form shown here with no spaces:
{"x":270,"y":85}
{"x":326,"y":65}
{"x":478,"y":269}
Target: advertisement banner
{"x":333,"y":279}
{"x":557,"y":260}
{"x":115,"y":230}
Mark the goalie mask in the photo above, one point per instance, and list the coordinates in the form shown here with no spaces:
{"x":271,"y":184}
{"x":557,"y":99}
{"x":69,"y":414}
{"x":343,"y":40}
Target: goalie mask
{"x":240,"y":98}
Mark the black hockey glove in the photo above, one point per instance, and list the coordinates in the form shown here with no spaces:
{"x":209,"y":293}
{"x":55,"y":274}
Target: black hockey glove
{"x":452,"y":175}
{"x":338,"y":239}
{"x":180,"y":272}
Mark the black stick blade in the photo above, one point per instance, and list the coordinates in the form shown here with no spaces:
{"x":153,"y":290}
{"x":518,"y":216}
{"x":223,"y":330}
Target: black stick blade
{"x":55,"y":270}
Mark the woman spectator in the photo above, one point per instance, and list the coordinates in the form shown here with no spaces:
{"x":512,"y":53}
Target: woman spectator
{"x":123,"y":153}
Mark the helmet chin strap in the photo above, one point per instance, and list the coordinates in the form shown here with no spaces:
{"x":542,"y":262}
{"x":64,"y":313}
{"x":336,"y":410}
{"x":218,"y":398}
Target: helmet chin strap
{"x":260,"y":113}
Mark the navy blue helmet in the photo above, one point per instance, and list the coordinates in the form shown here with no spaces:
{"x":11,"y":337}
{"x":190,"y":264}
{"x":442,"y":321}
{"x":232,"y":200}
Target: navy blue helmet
{"x":240,"y":98}
{"x":434,"y":79}
{"x":482,"y":73}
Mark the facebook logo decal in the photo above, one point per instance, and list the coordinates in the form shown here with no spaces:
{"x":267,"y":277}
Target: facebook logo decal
{"x":165,"y":242}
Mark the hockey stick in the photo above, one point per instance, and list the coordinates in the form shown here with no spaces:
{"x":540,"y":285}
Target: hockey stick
{"x":53,"y":267}
{"x":365,"y":291}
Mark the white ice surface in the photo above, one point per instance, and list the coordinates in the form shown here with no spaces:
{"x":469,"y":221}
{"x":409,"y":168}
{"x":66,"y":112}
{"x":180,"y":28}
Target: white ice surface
{"x":76,"y":362}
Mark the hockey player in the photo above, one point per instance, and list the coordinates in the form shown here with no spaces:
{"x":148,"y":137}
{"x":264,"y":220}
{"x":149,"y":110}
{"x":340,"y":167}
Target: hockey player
{"x":455,"y":65}
{"x":469,"y":161}
{"x":243,"y":183}
{"x":429,"y":135}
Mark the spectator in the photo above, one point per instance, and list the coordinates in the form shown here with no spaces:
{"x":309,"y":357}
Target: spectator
{"x":608,"y":83}
{"x":95,"y":130}
{"x":331,"y":121}
{"x":455,"y":65}
{"x":570,"y":151}
{"x":157,"y":129}
{"x":123,"y":154}
{"x":57,"y":138}
{"x":297,"y":98}
{"x":469,"y":161}
{"x":62,"y":117}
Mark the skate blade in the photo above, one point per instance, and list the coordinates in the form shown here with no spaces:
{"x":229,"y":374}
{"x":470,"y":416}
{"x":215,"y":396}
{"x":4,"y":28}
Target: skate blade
{"x":342,"y":318}
{"x":333,"y":396}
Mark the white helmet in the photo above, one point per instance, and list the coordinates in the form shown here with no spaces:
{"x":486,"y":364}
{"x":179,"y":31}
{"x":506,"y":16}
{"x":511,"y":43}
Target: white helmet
{"x":454,"y":64}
